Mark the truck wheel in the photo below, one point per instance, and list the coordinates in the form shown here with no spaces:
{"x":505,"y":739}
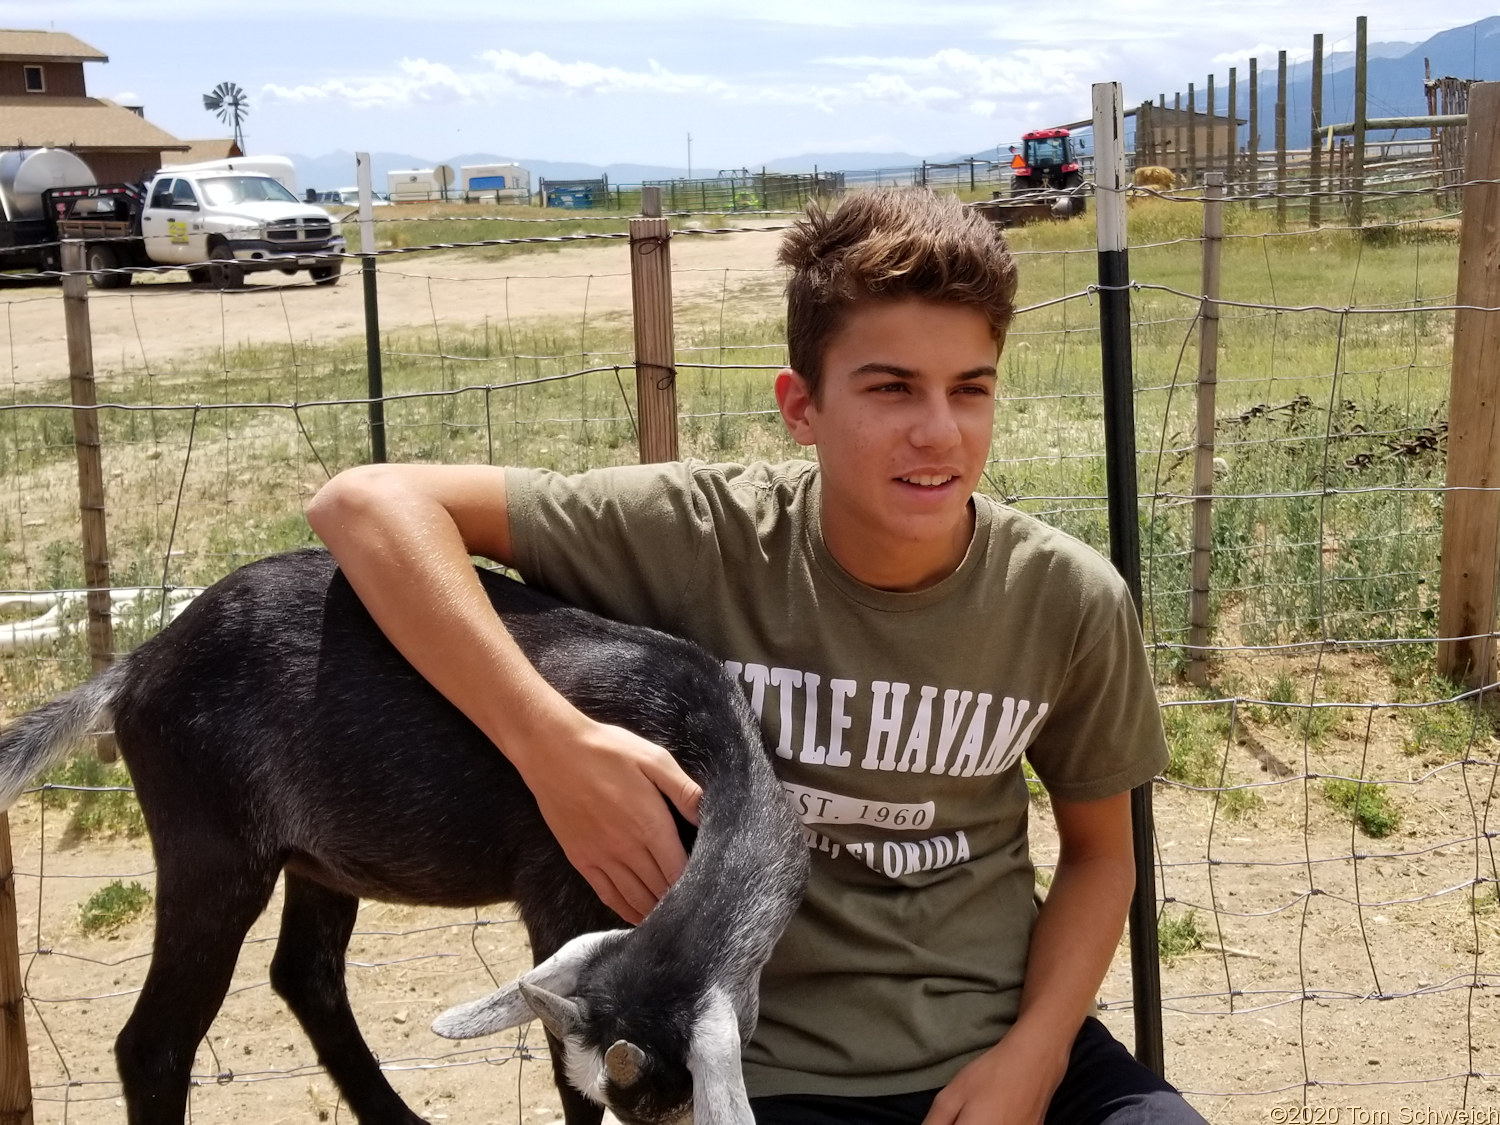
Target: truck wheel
{"x":223,"y":271}
{"x":327,"y":275}
{"x":198,"y":275}
{"x":99,"y":259}
{"x":1021,"y":185}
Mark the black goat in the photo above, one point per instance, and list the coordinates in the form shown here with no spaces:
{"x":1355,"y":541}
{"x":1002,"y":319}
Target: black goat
{"x":273,"y":727}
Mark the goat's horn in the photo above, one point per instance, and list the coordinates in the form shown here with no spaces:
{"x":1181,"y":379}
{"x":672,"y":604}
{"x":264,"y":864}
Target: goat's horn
{"x":623,"y":1062}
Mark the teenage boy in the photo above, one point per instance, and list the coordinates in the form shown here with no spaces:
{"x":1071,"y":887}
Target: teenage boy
{"x":904,"y":641}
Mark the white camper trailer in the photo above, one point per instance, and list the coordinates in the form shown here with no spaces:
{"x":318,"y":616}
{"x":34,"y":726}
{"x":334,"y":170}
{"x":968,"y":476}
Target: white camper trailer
{"x":500,"y":182}
{"x":411,"y":184}
{"x":279,"y":168}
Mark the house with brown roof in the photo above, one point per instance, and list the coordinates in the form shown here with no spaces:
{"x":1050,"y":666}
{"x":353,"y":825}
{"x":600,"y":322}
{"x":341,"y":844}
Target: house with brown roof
{"x":44,"y":102}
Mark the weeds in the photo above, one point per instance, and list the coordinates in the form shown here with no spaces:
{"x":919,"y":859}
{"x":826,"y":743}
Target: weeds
{"x":113,"y":906}
{"x":1364,"y":802}
{"x":1178,"y":935}
{"x":1197,"y":745}
{"x":1449,"y":731}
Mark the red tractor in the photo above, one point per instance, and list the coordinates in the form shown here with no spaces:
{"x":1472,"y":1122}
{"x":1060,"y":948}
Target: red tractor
{"x":1049,"y":162}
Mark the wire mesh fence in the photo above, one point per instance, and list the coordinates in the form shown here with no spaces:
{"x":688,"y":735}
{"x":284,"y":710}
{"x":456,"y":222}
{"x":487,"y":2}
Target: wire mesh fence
{"x":1326,"y":878}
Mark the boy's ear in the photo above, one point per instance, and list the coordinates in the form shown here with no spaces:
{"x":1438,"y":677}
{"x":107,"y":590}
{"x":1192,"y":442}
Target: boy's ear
{"x":794,"y":399}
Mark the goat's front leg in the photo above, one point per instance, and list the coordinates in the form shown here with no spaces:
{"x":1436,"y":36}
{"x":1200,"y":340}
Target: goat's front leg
{"x":308,"y":973}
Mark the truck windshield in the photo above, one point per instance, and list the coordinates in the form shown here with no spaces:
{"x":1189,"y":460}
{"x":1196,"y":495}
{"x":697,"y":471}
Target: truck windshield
{"x":222,"y":190}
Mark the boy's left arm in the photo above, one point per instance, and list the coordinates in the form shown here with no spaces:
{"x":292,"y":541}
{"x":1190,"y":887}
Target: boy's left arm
{"x":1072,"y":944}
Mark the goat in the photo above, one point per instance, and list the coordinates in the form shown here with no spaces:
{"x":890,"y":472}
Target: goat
{"x":273,"y":727}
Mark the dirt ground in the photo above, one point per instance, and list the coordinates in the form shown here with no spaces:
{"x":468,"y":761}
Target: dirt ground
{"x":169,"y":319}
{"x":1358,"y":984}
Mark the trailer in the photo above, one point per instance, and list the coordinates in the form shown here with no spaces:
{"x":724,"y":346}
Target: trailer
{"x":501,"y":181}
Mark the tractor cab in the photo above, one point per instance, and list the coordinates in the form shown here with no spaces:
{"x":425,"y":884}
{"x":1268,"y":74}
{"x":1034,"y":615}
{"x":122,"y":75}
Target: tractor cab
{"x":1048,"y":161}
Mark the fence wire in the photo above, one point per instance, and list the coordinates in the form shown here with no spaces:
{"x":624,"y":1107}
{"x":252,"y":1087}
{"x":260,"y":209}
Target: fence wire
{"x":1327,"y":882}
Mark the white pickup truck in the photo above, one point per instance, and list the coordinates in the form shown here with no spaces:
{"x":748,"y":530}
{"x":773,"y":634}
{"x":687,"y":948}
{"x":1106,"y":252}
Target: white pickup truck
{"x":223,"y":224}
{"x":218,"y":223}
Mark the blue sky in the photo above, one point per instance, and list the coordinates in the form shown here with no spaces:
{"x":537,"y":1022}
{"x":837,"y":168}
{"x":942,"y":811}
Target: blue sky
{"x":751,"y":80}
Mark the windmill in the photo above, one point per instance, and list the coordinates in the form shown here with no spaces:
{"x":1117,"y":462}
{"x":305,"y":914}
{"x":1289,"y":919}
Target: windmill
{"x":231,"y":106}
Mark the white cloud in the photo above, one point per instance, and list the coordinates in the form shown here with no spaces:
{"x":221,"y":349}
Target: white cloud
{"x":415,"y":80}
{"x":1266,"y":53}
{"x":1020,"y":72}
{"x":540,"y":71}
{"x":950,"y":79}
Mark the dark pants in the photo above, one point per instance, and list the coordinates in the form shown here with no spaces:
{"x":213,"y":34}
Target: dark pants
{"x":1103,"y":1085}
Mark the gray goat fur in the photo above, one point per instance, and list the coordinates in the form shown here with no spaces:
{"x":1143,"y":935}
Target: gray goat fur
{"x":272,"y":727}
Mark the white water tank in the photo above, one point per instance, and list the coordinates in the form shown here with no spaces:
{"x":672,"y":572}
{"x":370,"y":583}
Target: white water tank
{"x":26,"y":173}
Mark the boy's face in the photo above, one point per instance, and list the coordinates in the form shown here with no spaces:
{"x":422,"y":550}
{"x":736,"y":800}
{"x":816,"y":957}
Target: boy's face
{"x":902,"y":423}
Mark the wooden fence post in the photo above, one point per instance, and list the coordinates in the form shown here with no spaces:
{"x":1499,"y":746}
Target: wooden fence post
{"x":1315,"y":154}
{"x":1361,"y":53}
{"x":1161,"y":136}
{"x":1231,"y":162}
{"x":1281,"y":141}
{"x":90,"y":464}
{"x":1192,"y":127}
{"x":1179,"y":165}
{"x":655,"y":352}
{"x":1203,"y":454}
{"x":1212,"y":163}
{"x":1254,"y":154}
{"x":15,"y":1067}
{"x":1470,"y":592}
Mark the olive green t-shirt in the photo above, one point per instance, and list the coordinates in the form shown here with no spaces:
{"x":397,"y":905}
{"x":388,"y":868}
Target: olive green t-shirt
{"x":896,"y":722}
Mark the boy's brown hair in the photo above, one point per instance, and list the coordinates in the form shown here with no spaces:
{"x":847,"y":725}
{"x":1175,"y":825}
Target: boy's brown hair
{"x":888,"y":245}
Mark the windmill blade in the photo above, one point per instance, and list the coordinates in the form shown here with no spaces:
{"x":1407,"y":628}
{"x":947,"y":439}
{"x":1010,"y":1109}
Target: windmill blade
{"x":228,"y":102}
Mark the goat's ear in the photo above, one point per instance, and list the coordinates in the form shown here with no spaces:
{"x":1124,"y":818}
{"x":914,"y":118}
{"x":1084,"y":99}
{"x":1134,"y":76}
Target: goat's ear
{"x":719,"y":1096}
{"x":508,"y":1007}
{"x":558,"y":1014}
{"x":496,"y":1012}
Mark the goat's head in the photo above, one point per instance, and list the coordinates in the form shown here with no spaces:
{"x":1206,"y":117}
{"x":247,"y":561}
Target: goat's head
{"x":674,"y":1064}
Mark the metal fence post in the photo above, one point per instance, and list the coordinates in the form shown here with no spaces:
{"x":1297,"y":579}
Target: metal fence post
{"x":1111,"y":185}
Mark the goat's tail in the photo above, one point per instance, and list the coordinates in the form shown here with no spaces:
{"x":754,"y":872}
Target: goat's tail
{"x":41,"y":738}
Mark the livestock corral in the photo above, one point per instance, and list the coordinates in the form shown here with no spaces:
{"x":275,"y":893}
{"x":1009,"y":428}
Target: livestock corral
{"x":1326,"y":890}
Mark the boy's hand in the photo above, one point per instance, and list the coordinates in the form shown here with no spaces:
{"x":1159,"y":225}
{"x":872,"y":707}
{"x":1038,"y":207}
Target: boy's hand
{"x":1010,"y":1084}
{"x":601,"y":794}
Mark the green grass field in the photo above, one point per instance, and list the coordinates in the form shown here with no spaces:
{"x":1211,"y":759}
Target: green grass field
{"x":1348,"y":396}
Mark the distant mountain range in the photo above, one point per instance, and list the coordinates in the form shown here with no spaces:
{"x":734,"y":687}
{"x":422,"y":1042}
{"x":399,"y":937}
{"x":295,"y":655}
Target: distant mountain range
{"x":1394,"y":89}
{"x":1393,"y":80}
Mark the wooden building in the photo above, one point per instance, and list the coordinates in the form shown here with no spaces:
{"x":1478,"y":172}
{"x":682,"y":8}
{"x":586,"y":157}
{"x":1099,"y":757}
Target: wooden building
{"x":44,"y":102}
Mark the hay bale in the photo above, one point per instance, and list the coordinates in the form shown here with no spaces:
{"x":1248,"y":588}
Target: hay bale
{"x":1155,"y":176}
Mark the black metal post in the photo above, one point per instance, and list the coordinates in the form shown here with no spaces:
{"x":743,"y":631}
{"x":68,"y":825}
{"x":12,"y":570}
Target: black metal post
{"x":1124,"y":526}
